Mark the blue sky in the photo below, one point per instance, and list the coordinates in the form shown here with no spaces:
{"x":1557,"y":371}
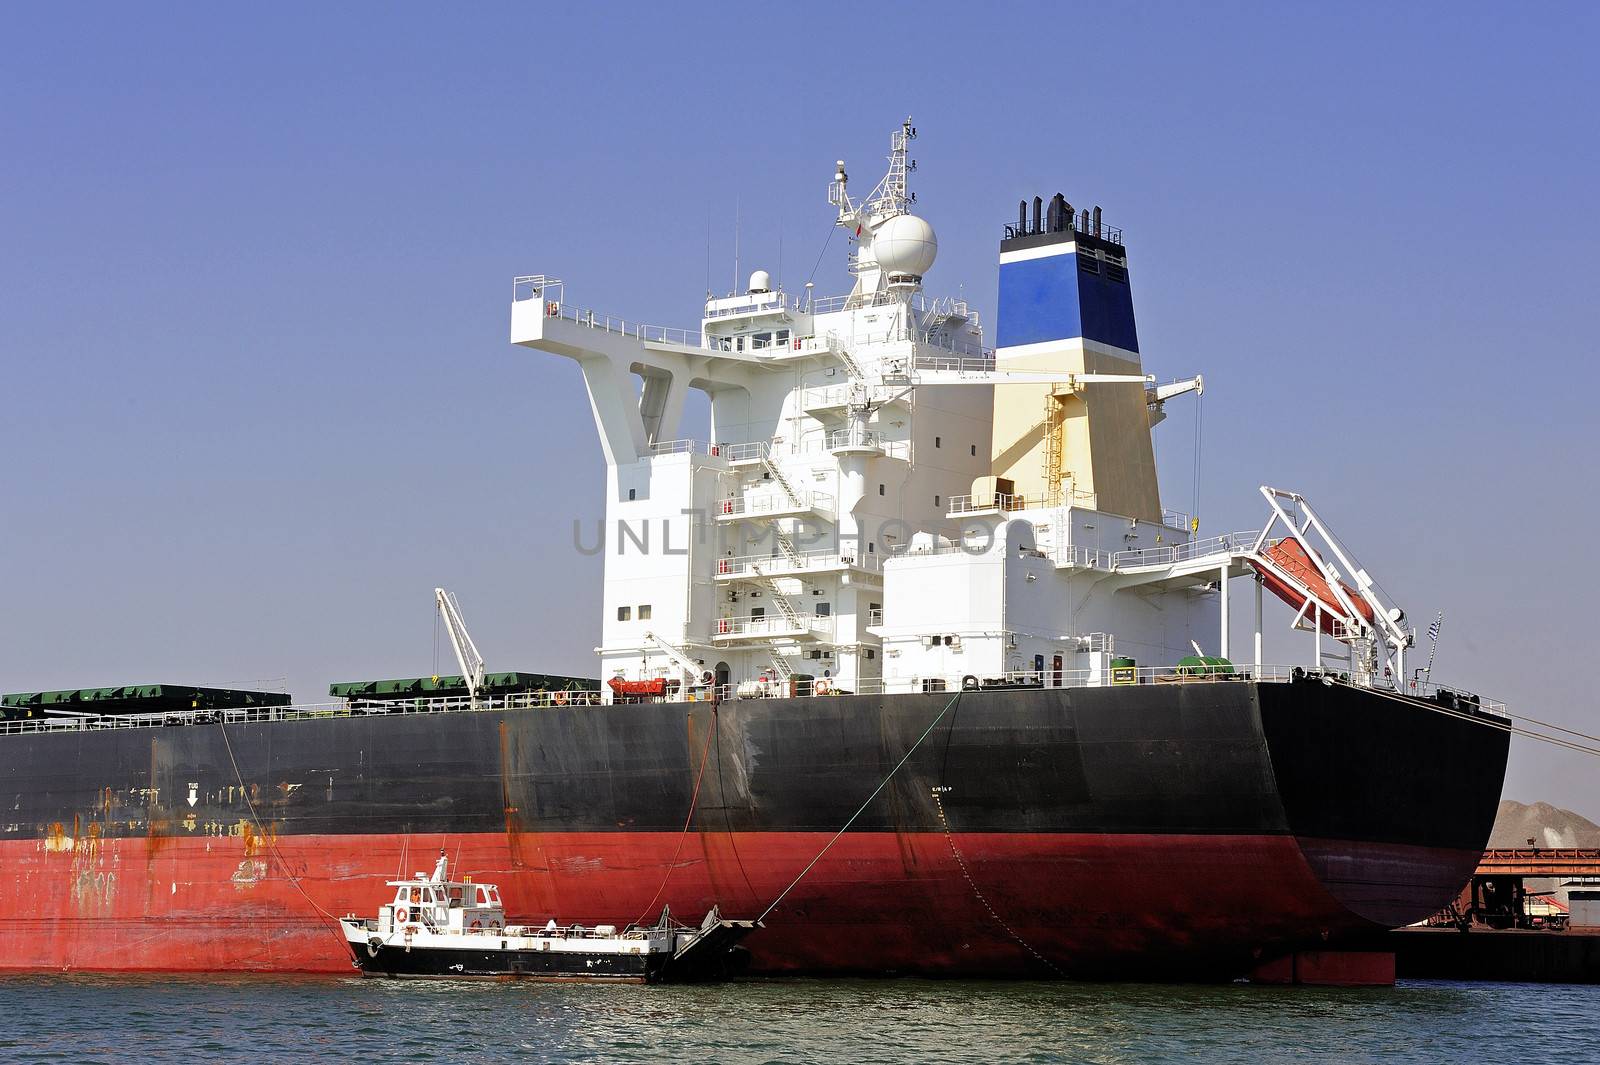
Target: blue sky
{"x":257,"y":263}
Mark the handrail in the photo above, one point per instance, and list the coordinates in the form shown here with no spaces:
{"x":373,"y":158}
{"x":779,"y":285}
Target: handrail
{"x":1227,"y":543}
{"x":771,"y":624}
{"x":774,"y":503}
{"x":780,"y":565}
{"x":1266,"y":674}
{"x":308,"y":711}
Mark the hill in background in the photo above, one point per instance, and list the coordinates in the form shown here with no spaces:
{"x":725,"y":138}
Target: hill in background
{"x":1549,"y":825}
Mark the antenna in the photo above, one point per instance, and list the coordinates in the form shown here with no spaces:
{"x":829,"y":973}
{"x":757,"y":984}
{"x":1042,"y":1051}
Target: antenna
{"x":735,"y":243}
{"x":1433,"y":635}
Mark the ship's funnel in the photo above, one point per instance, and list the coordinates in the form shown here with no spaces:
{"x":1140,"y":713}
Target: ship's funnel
{"x":1065,"y":305}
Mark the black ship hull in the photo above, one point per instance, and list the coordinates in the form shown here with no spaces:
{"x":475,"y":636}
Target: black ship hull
{"x":1158,"y":830}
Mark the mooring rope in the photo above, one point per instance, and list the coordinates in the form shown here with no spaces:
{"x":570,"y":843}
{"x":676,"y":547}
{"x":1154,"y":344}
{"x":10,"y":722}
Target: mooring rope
{"x":272,"y":843}
{"x":694,"y":797}
{"x":1486,"y":720}
{"x":861,"y":809}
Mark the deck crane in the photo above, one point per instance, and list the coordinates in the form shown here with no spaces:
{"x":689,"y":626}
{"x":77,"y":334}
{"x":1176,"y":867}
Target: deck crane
{"x":1156,"y":397}
{"x":467,"y":655}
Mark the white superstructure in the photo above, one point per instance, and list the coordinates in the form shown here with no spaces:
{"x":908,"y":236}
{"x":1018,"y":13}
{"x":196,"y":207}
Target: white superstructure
{"x":854,"y":518}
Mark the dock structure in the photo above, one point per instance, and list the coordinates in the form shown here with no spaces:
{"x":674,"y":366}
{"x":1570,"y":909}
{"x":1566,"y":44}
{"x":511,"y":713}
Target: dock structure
{"x":1540,"y":862}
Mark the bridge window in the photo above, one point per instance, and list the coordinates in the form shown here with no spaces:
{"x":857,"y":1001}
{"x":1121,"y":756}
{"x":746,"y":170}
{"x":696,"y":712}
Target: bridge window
{"x":624,"y":613}
{"x":644,"y":611}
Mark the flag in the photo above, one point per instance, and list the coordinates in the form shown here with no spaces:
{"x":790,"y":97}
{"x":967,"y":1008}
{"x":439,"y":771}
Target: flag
{"x":1433,"y":630}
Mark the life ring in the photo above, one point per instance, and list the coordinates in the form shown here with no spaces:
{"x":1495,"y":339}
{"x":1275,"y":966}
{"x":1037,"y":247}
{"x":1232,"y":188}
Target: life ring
{"x":822,"y":687}
{"x":477,"y":926}
{"x":494,"y":926}
{"x":401,"y":916}
{"x":559,"y":698}
{"x":552,"y":309}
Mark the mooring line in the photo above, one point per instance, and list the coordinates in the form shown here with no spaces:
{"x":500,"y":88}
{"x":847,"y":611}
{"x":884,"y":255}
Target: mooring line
{"x":1484,"y":718}
{"x":862,"y":809}
{"x":272,"y":843}
{"x":687,"y":821}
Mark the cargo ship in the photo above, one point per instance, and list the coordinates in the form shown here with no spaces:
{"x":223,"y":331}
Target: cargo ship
{"x":905,"y":657}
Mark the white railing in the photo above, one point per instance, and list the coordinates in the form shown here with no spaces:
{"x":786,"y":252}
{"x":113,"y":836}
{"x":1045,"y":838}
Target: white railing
{"x":757,"y":303}
{"x":539,"y":287}
{"x":837,"y":439}
{"x":781,"y":565}
{"x":1267,"y":674}
{"x":1003,"y":501}
{"x":755,"y":451}
{"x":1071,"y":678}
{"x":774,"y":503}
{"x":687,"y":447}
{"x":771,"y":625}
{"x":309,"y":711}
{"x":1227,"y":543}
{"x":827,"y":396}
{"x":550,"y":292}
{"x":1076,"y":557}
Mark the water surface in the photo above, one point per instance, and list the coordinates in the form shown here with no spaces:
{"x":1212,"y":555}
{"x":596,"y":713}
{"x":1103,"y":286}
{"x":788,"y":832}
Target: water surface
{"x":265,"y":1019}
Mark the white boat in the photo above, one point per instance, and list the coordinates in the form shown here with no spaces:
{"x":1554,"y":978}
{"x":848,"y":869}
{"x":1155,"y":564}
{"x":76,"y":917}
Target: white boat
{"x":438,"y":927}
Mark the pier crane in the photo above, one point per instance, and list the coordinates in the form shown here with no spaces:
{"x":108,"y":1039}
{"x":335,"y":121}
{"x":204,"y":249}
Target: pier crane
{"x":467,"y":655}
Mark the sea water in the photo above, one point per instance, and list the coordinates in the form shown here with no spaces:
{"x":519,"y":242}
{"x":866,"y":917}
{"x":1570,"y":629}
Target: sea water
{"x":268,"y":1019}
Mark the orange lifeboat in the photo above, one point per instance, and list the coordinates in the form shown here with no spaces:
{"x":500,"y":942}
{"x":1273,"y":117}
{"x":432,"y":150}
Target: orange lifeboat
{"x":1289,"y":556}
{"x":641,"y":689}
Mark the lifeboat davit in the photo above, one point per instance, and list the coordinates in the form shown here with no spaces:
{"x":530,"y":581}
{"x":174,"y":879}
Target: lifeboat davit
{"x":1290,"y":559}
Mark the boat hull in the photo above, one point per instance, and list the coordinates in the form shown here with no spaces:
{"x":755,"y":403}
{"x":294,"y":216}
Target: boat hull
{"x":1156,"y":831}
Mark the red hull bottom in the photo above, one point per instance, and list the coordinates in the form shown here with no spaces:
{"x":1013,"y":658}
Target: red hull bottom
{"x":1025,"y":905}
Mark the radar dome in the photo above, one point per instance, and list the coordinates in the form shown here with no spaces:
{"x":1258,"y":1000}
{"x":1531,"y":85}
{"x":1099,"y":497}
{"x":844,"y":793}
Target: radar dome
{"x":905,"y":244}
{"x":760,"y":281}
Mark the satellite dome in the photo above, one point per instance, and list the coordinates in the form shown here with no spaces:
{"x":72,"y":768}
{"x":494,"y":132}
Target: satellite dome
{"x":905,"y":245}
{"x":760,"y":281}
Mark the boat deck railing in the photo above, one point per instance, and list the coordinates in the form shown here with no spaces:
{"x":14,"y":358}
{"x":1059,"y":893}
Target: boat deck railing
{"x":1451,"y":698}
{"x":540,"y":287}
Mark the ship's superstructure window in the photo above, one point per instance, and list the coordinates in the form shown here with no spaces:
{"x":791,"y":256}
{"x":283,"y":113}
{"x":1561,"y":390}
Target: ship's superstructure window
{"x":644,"y":611}
{"x":824,"y":610}
{"x":880,"y":489}
{"x":624,"y":613}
